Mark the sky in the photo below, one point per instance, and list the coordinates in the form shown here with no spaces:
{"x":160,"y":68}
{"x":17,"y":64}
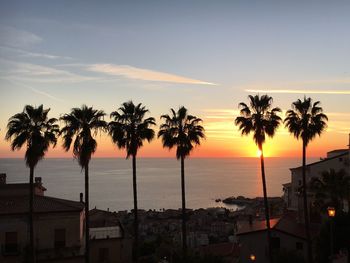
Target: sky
{"x":205,"y":55}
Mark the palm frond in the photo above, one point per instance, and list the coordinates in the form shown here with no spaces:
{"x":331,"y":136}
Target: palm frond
{"x":257,"y":118}
{"x":182,"y":131}
{"x":306,"y":120}
{"x":80,"y":126}
{"x":33,"y":129}
{"x":128,"y":128}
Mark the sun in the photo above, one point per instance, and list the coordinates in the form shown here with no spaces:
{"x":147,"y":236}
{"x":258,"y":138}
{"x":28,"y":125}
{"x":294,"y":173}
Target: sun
{"x":258,"y":153}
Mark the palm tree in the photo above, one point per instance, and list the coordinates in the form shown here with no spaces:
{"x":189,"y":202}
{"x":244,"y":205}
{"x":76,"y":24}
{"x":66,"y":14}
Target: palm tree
{"x":182,"y":131}
{"x":305,"y":121}
{"x":331,"y":188}
{"x":37,"y":132}
{"x":260,"y":119}
{"x":128,"y":130}
{"x":81,"y":124}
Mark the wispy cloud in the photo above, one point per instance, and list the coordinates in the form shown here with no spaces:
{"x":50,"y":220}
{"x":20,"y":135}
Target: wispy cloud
{"x":45,"y":94}
{"x":143,"y":74}
{"x":25,"y":53}
{"x":297,"y":91}
{"x":36,"y":73}
{"x":10,"y":36}
{"x":220,"y":115}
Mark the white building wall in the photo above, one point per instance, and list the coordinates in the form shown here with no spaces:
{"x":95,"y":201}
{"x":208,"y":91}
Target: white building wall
{"x":315,"y":170}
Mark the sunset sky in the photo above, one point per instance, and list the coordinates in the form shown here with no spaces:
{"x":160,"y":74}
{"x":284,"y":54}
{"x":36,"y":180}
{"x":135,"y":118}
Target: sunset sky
{"x":205,"y":55}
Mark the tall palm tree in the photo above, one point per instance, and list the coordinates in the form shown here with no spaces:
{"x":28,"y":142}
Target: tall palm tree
{"x":305,"y":121}
{"x":128,"y":130}
{"x":81,"y":124}
{"x":37,"y":132}
{"x":182,"y":131}
{"x":260,"y":119}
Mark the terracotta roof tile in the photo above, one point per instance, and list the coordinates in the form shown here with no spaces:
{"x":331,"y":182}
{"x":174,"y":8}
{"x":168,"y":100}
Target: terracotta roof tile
{"x":260,"y":225}
{"x":287,"y":224}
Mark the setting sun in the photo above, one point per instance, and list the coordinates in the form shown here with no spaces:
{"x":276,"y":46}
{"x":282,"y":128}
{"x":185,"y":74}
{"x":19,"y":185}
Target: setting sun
{"x":258,"y":153}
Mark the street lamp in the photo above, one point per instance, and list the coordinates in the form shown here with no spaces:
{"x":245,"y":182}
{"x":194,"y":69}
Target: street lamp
{"x":331,"y":215}
{"x":252,"y":257}
{"x":331,"y":211}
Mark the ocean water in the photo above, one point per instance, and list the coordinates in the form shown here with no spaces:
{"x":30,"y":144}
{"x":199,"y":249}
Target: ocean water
{"x":158,"y":180}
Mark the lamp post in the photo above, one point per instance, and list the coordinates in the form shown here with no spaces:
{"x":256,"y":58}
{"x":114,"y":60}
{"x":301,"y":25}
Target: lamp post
{"x":331,"y":215}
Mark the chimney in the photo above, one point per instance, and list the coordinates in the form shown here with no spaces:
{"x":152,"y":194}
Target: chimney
{"x":81,"y":195}
{"x":2,"y":178}
{"x":38,"y":180}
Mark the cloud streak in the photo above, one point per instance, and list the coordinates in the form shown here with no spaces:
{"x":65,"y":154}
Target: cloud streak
{"x":45,"y":94}
{"x":25,"y":53}
{"x":298,"y":91}
{"x":143,"y":74}
{"x":36,"y":73}
{"x":13,"y":37}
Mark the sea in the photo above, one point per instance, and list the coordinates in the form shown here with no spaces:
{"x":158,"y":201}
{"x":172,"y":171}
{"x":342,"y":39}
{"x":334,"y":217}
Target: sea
{"x":158,"y":180}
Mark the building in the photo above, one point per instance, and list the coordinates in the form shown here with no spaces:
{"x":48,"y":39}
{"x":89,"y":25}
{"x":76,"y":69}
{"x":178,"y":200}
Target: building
{"x":58,"y":228}
{"x":287,"y":235}
{"x":109,"y":241}
{"x":337,"y":160}
{"x":58,"y":225}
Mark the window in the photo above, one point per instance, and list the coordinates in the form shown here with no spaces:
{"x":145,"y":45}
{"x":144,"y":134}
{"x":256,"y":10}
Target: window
{"x":60,"y":237}
{"x":11,"y":245}
{"x":103,"y":255}
{"x":275,"y":242}
{"x":299,"y":245}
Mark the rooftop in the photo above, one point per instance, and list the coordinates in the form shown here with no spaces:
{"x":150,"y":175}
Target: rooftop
{"x":104,"y":224}
{"x":341,"y":153}
{"x":287,"y":224}
{"x":102,"y":218}
{"x":256,"y":226}
{"x":42,"y":204}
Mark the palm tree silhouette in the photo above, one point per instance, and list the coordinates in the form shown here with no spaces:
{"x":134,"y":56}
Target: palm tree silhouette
{"x":182,"y":131}
{"x":331,"y":188}
{"x":305,"y":121}
{"x":128,"y":130}
{"x":37,"y":132}
{"x":261,"y":120}
{"x":81,"y":124}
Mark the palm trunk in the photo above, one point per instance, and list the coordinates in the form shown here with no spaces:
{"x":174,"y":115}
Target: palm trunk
{"x":267,"y":215}
{"x":306,"y":214}
{"x":87,"y":223}
{"x":31,"y":216}
{"x":136,"y":222}
{"x":183,"y":195}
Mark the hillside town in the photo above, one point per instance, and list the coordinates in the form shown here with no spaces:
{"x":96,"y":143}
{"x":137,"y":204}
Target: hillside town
{"x":214,"y":234}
